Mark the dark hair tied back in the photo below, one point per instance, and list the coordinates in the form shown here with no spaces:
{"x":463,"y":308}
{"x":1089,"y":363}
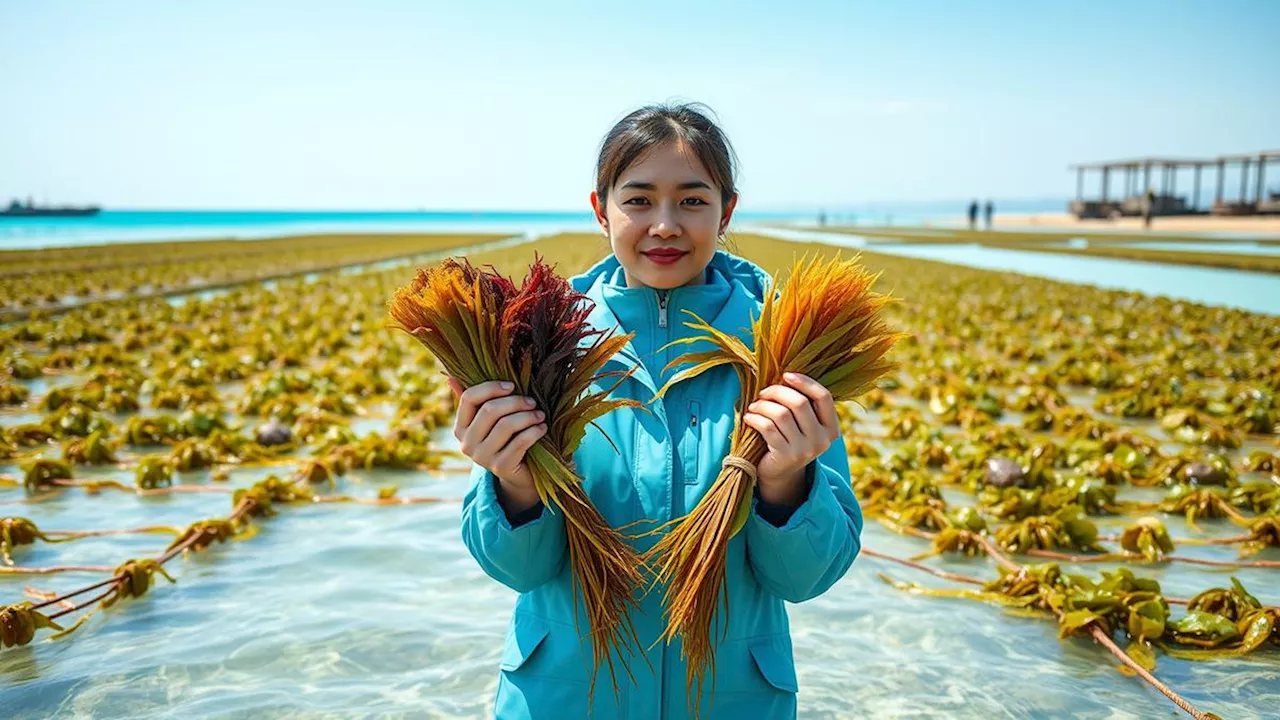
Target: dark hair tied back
{"x":656,"y":125}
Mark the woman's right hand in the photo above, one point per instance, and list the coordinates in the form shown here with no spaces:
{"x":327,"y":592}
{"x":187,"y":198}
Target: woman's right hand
{"x":495,"y":429}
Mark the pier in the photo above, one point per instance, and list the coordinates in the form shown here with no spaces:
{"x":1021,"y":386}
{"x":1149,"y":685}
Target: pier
{"x":1124,"y":185}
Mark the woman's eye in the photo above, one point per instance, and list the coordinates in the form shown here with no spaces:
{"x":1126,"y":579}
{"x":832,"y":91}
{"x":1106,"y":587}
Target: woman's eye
{"x":636,"y":201}
{"x":695,"y":201}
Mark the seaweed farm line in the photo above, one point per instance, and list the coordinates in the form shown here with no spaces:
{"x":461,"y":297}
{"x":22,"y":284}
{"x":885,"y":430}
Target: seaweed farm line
{"x":1249,"y":291}
{"x":1246,"y":248}
{"x":208,"y":289}
{"x":359,"y":268}
{"x":357,"y":598}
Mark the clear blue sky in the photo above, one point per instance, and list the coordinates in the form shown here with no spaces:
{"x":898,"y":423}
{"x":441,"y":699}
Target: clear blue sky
{"x":382,"y":104}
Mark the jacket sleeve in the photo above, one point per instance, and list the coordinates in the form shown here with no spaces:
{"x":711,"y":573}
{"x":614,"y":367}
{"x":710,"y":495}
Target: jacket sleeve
{"x":817,"y":544}
{"x":522,"y":557}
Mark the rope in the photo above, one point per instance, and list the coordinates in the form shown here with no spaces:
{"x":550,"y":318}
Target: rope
{"x":741,"y":463}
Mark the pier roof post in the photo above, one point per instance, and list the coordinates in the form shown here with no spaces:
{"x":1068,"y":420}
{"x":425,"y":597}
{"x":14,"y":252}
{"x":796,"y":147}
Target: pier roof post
{"x":1195,"y":194}
{"x":1260,"y":187}
{"x":1222,"y":173}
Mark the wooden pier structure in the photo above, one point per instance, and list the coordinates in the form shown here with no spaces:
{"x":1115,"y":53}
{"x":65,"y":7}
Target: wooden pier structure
{"x":1136,"y":176}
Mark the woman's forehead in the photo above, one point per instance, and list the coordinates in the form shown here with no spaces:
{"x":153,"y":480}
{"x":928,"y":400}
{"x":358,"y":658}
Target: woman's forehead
{"x":668,"y":166}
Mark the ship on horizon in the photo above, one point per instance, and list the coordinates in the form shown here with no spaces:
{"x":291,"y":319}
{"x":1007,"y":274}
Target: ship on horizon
{"x":18,"y":209}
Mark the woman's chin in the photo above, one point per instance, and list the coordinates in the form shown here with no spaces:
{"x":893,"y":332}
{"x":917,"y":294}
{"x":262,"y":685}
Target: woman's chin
{"x":665,"y":280}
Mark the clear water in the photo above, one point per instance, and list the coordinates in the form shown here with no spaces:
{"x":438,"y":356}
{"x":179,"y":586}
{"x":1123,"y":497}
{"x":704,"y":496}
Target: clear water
{"x":342,"y":611}
{"x":348,"y":611}
{"x":1258,"y":292}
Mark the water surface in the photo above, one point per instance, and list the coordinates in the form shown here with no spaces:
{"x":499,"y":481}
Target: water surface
{"x":344,"y":611}
{"x":1255,"y":291}
{"x":347,"y":611}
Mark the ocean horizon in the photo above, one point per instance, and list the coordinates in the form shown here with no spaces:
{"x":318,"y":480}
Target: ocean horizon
{"x":120,"y":226}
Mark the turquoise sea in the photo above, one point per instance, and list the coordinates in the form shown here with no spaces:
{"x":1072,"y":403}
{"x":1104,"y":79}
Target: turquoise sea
{"x":112,"y":226}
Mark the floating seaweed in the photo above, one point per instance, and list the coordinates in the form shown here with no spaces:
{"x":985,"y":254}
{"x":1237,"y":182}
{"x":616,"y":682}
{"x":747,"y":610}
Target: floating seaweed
{"x":1148,"y":537}
{"x":97,"y":449}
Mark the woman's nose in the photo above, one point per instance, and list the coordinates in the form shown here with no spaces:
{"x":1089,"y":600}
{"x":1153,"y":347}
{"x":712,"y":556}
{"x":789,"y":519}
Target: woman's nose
{"x":665,"y":225}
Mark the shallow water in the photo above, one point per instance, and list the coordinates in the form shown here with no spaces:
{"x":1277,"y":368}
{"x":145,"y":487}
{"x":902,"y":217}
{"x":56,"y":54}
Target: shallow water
{"x":1259,"y":292}
{"x":346,"y":611}
{"x":355,"y":611}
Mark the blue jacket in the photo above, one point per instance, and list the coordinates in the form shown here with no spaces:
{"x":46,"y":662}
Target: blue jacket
{"x":665,"y":462}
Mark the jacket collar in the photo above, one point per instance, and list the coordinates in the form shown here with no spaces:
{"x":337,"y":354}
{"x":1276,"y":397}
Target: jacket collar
{"x":747,"y":284}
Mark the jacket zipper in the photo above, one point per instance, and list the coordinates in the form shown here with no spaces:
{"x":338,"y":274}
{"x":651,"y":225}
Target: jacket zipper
{"x":662,"y":682}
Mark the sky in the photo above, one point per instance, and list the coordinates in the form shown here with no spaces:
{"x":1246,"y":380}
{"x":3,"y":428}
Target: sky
{"x":486,"y":105}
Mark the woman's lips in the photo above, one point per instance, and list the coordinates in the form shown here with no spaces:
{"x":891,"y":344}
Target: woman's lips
{"x":664,"y":257}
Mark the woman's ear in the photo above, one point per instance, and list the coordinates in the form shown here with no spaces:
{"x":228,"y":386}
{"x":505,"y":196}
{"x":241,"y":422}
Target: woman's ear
{"x":598,"y":207}
{"x":728,"y":213}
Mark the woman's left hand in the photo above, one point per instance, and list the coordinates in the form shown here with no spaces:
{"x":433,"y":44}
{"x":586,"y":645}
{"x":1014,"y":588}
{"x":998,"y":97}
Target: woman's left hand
{"x":798,"y":422}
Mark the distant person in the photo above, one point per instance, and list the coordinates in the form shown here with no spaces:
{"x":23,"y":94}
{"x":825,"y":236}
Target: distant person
{"x":1148,"y":206}
{"x":987,"y":212}
{"x":973,"y":215}
{"x":822,"y":218}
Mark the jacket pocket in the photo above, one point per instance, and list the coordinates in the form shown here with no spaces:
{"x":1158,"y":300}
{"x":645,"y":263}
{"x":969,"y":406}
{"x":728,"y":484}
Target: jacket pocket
{"x":692,"y":443}
{"x":545,"y":675}
{"x":776,"y":665}
{"x":526,"y":634}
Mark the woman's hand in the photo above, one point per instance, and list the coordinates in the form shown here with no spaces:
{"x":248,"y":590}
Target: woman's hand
{"x":495,"y":428}
{"x":798,"y":422}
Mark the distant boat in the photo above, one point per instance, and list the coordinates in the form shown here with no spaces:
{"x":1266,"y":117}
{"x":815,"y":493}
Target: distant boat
{"x":18,"y":209}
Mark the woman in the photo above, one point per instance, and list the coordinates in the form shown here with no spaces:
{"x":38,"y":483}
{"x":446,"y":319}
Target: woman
{"x":664,"y":194}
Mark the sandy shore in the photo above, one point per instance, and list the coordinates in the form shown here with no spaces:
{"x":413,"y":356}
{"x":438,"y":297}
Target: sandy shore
{"x":1202,"y":223}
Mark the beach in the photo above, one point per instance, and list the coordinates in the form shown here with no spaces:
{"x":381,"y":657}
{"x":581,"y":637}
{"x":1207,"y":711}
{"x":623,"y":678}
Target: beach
{"x":1255,"y":225}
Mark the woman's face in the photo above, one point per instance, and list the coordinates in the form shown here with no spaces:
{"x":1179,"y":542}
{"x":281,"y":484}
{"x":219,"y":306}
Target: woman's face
{"x":663,"y":216}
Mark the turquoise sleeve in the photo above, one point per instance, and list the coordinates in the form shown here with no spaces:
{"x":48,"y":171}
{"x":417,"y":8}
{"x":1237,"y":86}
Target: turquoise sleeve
{"x":522,"y":557}
{"x":815,"y":547}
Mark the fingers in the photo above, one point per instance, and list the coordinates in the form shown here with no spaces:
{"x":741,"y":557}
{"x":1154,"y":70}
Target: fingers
{"x":491,"y":444}
{"x":490,"y":413}
{"x":508,"y":460}
{"x":480,"y":435}
{"x":797,"y":419}
{"x":801,"y":409}
{"x":471,"y":399}
{"x":763,"y":425}
{"x":781,"y":418}
{"x":455,"y":386}
{"x":824,"y":404}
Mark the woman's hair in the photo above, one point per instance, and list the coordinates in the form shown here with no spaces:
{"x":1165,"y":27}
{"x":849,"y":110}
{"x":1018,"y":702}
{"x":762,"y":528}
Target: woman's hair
{"x":656,"y":125}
